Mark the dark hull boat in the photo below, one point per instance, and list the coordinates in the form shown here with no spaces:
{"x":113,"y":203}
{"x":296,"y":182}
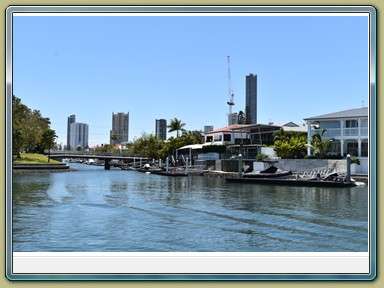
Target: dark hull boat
{"x":271,"y":172}
{"x":273,"y":176}
{"x":277,"y":174}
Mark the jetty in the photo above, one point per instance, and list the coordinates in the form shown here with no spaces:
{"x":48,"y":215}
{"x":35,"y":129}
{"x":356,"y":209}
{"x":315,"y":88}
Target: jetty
{"x":293,"y":182}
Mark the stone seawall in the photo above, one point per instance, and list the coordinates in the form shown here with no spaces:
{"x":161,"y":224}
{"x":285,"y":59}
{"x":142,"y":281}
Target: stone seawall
{"x":36,"y":168}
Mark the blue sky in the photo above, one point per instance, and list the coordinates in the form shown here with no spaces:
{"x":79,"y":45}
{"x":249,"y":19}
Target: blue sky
{"x":166,"y":67}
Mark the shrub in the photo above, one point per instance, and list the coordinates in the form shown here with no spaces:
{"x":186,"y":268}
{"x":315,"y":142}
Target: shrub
{"x":260,"y":157}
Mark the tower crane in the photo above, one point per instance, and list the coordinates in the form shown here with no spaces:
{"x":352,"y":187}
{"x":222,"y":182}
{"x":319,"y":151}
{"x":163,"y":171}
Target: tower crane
{"x":230,"y":92}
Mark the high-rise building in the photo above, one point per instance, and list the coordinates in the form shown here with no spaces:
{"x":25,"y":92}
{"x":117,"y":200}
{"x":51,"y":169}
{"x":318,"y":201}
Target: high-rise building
{"x":71,"y":119}
{"x":251,"y":97}
{"x":208,"y":128}
{"x":161,"y":129}
{"x":78,"y":135}
{"x":120,"y":128}
{"x":232,"y":118}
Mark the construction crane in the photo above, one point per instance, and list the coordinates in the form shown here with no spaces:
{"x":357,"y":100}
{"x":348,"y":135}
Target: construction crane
{"x":230,"y":92}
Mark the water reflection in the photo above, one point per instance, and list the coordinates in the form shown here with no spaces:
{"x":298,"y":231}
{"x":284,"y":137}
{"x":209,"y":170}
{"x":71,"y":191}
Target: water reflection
{"x":27,"y":190}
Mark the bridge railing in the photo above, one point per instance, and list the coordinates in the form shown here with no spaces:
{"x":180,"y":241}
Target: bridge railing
{"x":87,"y":153}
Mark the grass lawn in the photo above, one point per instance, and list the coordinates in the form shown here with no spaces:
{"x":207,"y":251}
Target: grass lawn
{"x":29,"y":158}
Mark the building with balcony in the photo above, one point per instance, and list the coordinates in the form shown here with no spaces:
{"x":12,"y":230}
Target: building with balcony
{"x":161,"y":129}
{"x":251,"y":96}
{"x":229,"y":135}
{"x":120,"y":128}
{"x":78,"y":138}
{"x":71,"y":119}
{"x":348,"y":129}
{"x":247,"y":139}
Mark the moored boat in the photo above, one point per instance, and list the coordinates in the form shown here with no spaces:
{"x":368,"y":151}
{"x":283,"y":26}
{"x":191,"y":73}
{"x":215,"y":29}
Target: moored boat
{"x":271,"y":172}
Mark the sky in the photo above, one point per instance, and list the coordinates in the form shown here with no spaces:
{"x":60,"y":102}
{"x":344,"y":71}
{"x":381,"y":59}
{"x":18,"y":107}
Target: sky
{"x":162,"y":67}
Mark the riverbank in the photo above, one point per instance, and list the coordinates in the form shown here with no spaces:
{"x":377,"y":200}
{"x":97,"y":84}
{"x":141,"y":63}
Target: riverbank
{"x":38,"y":163}
{"x":41,"y":168}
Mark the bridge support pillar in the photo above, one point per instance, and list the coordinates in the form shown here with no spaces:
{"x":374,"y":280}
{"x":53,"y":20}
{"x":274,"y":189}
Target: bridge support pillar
{"x":107,"y":164}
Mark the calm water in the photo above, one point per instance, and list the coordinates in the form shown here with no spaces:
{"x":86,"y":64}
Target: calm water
{"x":97,"y":210}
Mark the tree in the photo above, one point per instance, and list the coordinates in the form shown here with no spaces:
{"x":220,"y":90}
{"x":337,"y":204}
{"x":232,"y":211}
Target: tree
{"x":47,"y":140}
{"x":106,"y":148}
{"x":189,"y":138}
{"x":319,"y":144}
{"x":29,"y":129}
{"x":177,"y":126}
{"x":289,"y":144}
{"x":241,"y":118}
{"x":148,"y":145}
{"x":19,"y":117}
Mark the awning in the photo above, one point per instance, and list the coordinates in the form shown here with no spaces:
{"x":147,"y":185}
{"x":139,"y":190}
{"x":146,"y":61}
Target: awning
{"x":192,"y":146}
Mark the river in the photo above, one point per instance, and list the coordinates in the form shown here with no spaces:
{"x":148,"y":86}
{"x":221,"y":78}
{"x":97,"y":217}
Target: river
{"x":96,"y":210}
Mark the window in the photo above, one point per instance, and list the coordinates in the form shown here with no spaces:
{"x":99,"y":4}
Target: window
{"x":218,"y":137}
{"x":335,"y":148}
{"x":352,"y":148}
{"x":351,"y":123}
{"x":209,"y":139}
{"x":364,"y":148}
{"x":227,"y":137}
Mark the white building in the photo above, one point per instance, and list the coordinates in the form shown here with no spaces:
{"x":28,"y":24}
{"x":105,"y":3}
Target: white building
{"x":349,"y":131}
{"x":229,"y":135}
{"x":120,"y":128}
{"x":78,"y":135}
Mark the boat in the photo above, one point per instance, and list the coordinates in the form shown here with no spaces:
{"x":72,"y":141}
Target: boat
{"x":160,"y":171}
{"x":271,"y":172}
{"x":274,"y":176}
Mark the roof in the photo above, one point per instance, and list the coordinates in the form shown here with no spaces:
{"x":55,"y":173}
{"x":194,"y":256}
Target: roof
{"x":351,"y":113}
{"x":230,"y":128}
{"x":192,"y":146}
{"x":290,"y":126}
{"x":195,"y":146}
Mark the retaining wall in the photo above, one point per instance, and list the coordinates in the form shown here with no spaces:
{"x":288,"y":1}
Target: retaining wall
{"x":293,"y":165}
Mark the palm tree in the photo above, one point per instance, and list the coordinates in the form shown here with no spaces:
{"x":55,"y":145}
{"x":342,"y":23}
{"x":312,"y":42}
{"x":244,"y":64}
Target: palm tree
{"x":320,"y":144}
{"x":176,"y":125}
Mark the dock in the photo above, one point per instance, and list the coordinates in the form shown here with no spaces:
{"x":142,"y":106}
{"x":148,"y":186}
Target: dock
{"x":292,"y":182}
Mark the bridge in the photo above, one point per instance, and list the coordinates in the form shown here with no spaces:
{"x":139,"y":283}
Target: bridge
{"x":106,"y":157}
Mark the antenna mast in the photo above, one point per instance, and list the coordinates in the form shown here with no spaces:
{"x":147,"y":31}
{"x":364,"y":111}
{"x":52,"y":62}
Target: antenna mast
{"x":230,"y":92}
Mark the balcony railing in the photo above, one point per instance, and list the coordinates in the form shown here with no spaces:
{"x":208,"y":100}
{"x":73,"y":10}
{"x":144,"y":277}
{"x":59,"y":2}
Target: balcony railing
{"x":336,"y":132}
{"x":331,"y":133}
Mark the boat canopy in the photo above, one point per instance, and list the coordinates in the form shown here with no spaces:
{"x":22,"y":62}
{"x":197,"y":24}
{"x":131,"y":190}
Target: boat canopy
{"x":192,"y":146}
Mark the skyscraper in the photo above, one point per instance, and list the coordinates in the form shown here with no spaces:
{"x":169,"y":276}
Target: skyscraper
{"x":208,"y":128}
{"x":161,"y":129}
{"x":71,"y":119}
{"x":232,"y":118}
{"x":120,"y":128}
{"x":251,"y":97}
{"x":78,"y":135}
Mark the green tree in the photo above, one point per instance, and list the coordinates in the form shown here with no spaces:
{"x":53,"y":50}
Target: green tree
{"x":107,"y":148}
{"x":320,"y":144}
{"x":177,"y":126}
{"x":289,"y":144}
{"x":148,"y":145}
{"x":189,"y":138}
{"x":241,"y":118}
{"x":29,"y":128}
{"x":47,"y":140}
{"x":20,"y":114}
